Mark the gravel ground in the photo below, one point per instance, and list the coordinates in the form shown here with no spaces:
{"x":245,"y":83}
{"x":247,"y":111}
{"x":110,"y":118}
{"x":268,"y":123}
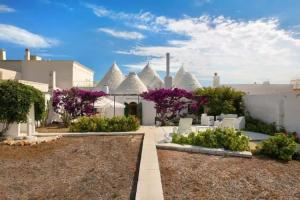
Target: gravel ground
{"x":91,"y":167}
{"x":53,"y":128}
{"x":199,"y":176}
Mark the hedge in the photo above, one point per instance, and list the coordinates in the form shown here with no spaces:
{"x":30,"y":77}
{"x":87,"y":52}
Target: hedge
{"x":215,"y":138}
{"x":102,"y":124}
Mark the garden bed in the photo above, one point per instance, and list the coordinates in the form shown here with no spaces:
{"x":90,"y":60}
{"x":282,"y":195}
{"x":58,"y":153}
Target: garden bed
{"x":199,"y":176}
{"x":53,"y":128}
{"x":90,"y":167}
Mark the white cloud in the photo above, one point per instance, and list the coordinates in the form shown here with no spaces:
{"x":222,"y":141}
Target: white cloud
{"x":16,"y":35}
{"x":6,"y":9}
{"x":240,"y":51}
{"x":122,"y":34}
{"x":57,"y":3}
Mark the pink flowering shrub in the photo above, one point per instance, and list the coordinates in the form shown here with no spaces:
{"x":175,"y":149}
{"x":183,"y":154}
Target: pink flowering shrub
{"x":170,"y":102}
{"x":75,"y":102}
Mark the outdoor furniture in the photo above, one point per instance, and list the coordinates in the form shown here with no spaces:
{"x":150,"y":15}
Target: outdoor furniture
{"x":239,"y":123}
{"x":233,"y":122}
{"x":184,"y":127}
{"x":227,"y":123}
{"x":207,"y":120}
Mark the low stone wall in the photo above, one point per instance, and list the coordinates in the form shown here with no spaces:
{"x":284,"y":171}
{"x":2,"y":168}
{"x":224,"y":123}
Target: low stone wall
{"x":204,"y":150}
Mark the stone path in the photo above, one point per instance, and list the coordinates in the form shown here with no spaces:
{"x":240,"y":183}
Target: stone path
{"x":149,"y":181}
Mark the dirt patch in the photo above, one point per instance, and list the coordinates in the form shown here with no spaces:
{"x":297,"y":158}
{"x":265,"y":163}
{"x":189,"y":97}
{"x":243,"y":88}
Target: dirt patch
{"x":53,"y":128}
{"x":91,"y":167}
{"x":199,"y":176}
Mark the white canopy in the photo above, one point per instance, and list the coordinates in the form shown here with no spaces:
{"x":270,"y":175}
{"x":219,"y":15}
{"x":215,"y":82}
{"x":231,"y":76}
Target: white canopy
{"x":107,"y":103}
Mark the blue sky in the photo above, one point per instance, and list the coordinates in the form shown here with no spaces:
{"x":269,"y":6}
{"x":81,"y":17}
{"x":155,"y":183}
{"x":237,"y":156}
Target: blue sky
{"x":243,"y":40}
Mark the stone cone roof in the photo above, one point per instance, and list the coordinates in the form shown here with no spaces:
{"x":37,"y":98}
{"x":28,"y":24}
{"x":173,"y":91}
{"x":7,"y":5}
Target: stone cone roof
{"x":150,"y":78}
{"x":131,"y":85}
{"x":188,"y":82}
{"x":179,"y":75}
{"x":113,"y":78}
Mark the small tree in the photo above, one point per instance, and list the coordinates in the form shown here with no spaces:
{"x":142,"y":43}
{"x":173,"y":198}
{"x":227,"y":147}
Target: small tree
{"x":75,"y":102}
{"x":222,"y":100}
{"x":15,"y":100}
{"x":170,"y":102}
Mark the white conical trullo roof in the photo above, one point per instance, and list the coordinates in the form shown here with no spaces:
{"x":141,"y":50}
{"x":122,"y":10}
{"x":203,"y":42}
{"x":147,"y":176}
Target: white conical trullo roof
{"x":188,"y":82}
{"x":131,"y":85}
{"x":150,"y":78}
{"x":113,"y":78}
{"x":179,"y":75}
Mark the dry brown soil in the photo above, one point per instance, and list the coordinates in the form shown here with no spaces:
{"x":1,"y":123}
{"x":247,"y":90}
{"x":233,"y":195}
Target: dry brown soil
{"x":199,"y":176}
{"x":90,"y":167}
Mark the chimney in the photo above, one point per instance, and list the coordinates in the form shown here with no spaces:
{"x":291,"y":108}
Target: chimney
{"x":2,"y":54}
{"x":168,"y":64}
{"x":106,"y":89}
{"x":216,"y":80}
{"x":52,"y":85}
{"x":27,"y":54}
{"x":168,"y":78}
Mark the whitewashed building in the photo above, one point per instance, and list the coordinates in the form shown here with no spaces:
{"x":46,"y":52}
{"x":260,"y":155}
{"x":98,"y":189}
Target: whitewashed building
{"x":69,"y":73}
{"x":127,"y":89}
{"x":279,"y":103}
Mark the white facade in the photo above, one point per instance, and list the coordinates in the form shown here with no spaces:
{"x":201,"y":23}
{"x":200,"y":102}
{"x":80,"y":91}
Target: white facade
{"x":68,"y":73}
{"x":283,"y":109}
{"x":6,"y":74}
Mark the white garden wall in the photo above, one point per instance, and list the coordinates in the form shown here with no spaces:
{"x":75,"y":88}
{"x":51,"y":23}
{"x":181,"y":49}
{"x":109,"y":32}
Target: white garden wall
{"x":284,"y":109}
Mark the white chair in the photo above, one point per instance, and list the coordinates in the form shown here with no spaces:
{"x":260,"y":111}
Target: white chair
{"x":223,"y":116}
{"x":184,"y":127}
{"x":207,"y":120}
{"x":227,"y":123}
{"x":239,"y":123}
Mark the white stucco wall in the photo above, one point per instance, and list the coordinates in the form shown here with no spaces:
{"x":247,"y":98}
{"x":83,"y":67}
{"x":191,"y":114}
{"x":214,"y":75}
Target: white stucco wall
{"x":13,"y":131}
{"x":9,"y":74}
{"x":82,"y":77}
{"x":39,"y":71}
{"x":14,"y":65}
{"x":282,"y":109}
{"x":149,"y":113}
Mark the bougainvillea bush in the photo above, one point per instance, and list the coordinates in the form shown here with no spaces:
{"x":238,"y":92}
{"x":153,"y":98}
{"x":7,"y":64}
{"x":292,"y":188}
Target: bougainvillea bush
{"x":75,"y":102}
{"x":170,"y":102}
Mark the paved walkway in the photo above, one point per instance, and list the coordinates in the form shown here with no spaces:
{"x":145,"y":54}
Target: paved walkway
{"x":160,"y":135}
{"x":149,"y":182}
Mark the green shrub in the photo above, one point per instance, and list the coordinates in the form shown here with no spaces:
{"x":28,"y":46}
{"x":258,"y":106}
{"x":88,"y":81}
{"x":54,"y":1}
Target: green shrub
{"x":15,"y":101}
{"x":100,"y":124}
{"x":222,"y":100}
{"x":257,"y":125}
{"x":279,"y":146}
{"x":215,"y":138}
